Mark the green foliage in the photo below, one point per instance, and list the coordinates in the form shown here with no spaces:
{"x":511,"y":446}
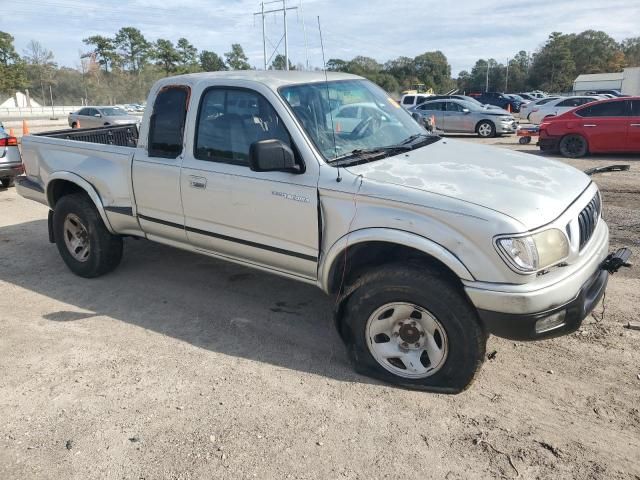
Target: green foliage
{"x":188,"y":56}
{"x":134,"y":48}
{"x":211,"y":62}
{"x":12,"y":68}
{"x":279,"y":63}
{"x":631,"y":50}
{"x":104,"y":49}
{"x":236,"y":58}
{"x":166,"y":55}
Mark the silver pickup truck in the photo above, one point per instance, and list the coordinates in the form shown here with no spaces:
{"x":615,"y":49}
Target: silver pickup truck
{"x":427,"y":244}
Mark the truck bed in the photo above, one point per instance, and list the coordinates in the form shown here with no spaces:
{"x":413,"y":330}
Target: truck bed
{"x":120,"y":135}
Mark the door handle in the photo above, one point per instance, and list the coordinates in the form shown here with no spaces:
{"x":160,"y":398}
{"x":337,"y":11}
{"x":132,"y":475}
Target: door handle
{"x":634,"y":124}
{"x":590,"y":125}
{"x":197,"y":182}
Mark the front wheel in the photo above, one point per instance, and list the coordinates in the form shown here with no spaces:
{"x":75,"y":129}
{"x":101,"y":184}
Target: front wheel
{"x":413,"y":328}
{"x":84,"y":243}
{"x":486,"y":129}
{"x":573,"y":146}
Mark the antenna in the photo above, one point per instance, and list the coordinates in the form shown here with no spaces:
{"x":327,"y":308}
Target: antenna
{"x":326,"y":82}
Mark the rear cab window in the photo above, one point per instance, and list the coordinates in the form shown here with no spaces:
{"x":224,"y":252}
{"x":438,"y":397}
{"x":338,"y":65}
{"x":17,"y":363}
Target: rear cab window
{"x":166,"y":129}
{"x":408,"y":100}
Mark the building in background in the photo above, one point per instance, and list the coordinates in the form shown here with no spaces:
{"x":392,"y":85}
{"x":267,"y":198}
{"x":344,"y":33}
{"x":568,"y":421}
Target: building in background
{"x":627,"y":82}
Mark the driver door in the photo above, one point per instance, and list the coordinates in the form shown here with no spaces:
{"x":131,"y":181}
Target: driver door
{"x":267,"y":219}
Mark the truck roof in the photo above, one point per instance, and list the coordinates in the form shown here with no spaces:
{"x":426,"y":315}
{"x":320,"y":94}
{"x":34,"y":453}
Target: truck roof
{"x":271,"y":78}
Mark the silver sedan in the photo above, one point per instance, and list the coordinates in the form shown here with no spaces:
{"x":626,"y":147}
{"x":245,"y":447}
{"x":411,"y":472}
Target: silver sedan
{"x":91,"y":117}
{"x":459,"y":116}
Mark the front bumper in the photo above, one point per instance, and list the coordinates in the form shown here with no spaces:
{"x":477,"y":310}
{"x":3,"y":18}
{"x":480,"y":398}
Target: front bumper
{"x":523,"y":326}
{"x":562,"y":319}
{"x":507,"y":127}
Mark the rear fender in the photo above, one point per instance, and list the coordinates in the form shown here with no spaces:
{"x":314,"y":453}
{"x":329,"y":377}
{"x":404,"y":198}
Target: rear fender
{"x":84,"y":185}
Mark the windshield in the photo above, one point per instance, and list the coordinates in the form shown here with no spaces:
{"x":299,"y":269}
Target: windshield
{"x":356,"y":113}
{"x":113,"y":112}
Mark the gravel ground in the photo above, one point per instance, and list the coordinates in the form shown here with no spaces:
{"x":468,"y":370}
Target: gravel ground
{"x":180,"y":366}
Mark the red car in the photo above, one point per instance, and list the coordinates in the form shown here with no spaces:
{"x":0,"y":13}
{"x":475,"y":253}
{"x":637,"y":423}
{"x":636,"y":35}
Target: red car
{"x":606,"y":126}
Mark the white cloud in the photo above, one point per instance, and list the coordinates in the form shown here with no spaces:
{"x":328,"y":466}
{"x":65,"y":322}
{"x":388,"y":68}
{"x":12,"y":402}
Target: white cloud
{"x":465,"y":30}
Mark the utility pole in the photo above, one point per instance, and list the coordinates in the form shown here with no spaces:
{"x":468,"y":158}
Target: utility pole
{"x":506,"y":82}
{"x":486,"y":88}
{"x":263,"y":13}
{"x":304,"y":29}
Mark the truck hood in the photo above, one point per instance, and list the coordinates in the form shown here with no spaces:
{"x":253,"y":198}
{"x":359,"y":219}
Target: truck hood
{"x":529,"y":188}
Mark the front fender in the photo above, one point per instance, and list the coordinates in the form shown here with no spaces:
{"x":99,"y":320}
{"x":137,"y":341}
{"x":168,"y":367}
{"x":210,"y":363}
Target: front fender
{"x":388,"y":235}
{"x":86,"y":186}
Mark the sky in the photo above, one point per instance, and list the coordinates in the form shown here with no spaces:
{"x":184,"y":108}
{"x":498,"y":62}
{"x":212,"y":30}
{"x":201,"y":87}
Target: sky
{"x":464,"y":30}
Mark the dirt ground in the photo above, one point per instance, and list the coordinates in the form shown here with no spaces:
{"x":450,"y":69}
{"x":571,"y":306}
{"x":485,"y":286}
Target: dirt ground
{"x":178,"y":366}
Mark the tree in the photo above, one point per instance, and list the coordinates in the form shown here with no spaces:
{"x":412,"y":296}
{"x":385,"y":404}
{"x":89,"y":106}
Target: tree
{"x":211,"y":62}
{"x":631,"y":50}
{"x":595,"y":52}
{"x":337,"y":65}
{"x":12,"y":71}
{"x":236,"y":58}
{"x":279,"y":63}
{"x":134,"y":47}
{"x":188,"y":55}
{"x":553,"y":68}
{"x":104,"y":50}
{"x":433,"y":69}
{"x":40,"y":67}
{"x":166,"y":55}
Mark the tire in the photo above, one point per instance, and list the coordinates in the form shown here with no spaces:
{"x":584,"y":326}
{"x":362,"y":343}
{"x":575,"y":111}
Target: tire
{"x":96,"y":250}
{"x":573,"y":146}
{"x":8,"y":181}
{"x":524,"y":140}
{"x":486,"y":129}
{"x":458,"y":335}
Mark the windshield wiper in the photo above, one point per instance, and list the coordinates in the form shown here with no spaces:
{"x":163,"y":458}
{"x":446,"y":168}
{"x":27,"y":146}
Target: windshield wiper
{"x":412,"y":138}
{"x":365,"y":154}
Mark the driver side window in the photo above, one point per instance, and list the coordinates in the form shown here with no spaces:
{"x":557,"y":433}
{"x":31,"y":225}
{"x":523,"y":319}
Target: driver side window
{"x":230,"y":120}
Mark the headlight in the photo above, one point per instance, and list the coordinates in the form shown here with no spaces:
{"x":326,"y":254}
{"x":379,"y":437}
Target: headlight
{"x":506,"y":119}
{"x":534,"y":252}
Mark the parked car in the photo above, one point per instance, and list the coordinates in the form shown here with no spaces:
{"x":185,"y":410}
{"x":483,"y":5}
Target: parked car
{"x":461,"y":97}
{"x":10,"y":162}
{"x":528,"y":96}
{"x":525,"y":110}
{"x":499,"y":100}
{"x":427,"y":245}
{"x":459,"y":116}
{"x":349,"y":116}
{"x":411,"y":100}
{"x":615,"y":93}
{"x":607,"y":126}
{"x":89,"y":117}
{"x":558,"y":107}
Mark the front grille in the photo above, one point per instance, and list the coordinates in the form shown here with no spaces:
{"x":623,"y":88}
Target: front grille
{"x":588,"y":219}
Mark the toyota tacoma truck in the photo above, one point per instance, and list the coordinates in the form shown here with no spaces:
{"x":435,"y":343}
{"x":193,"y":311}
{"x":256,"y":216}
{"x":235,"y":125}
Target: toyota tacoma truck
{"x":428,"y":245}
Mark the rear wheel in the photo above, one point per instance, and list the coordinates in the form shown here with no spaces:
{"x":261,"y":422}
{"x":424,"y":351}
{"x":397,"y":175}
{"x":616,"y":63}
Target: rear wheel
{"x":486,"y":129}
{"x":413,"y":328}
{"x":84,"y":243}
{"x":573,"y":146}
{"x":7,"y":181}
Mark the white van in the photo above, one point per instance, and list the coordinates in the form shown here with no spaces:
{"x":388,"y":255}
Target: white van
{"x":410,"y":100}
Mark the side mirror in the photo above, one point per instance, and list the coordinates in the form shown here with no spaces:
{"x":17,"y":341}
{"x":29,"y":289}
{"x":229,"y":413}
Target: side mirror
{"x":423,"y":121}
{"x":272,"y":156}
{"x":466,"y":110}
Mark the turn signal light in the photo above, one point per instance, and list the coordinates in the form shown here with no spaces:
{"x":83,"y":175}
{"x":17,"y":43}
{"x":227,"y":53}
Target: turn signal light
{"x":8,"y":142}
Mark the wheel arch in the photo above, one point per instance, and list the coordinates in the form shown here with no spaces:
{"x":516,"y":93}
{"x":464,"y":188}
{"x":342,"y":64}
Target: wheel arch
{"x":66,"y":183}
{"x":377,"y":246}
{"x":485,"y":120}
